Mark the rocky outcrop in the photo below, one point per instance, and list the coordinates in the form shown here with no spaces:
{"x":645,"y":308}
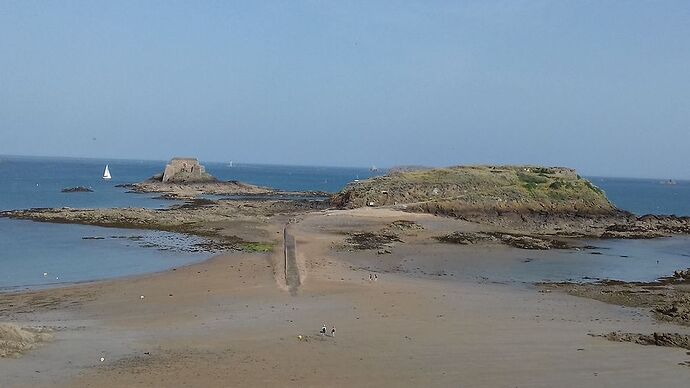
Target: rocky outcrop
{"x":520,"y":200}
{"x":466,"y":238}
{"x":476,"y":191}
{"x":203,"y":218}
{"x":369,"y":240}
{"x":681,"y":275}
{"x":78,"y":189}
{"x":185,"y":178}
{"x":674,"y":311}
{"x":195,"y":189}
{"x":649,"y":226}
{"x":513,"y":240}
{"x":673,"y":340}
{"x":668,"y":298}
{"x":15,"y":340}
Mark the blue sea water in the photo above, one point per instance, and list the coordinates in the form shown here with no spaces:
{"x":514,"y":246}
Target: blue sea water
{"x":28,"y":249}
{"x":37,"y":182}
{"x":628,"y":260}
{"x":647,"y":196}
{"x":29,"y":182}
{"x":38,"y":254}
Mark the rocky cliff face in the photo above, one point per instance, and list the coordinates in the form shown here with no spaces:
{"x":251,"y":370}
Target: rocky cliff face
{"x":186,"y":170}
{"x":481,"y":190}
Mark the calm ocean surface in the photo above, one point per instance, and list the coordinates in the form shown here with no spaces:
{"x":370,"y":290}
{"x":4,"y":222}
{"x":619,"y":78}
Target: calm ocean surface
{"x":29,"y":249}
{"x":647,"y":196}
{"x":37,"y":182}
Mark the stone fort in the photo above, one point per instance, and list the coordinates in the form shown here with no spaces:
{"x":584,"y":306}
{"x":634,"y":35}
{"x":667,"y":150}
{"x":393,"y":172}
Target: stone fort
{"x":185,"y":170}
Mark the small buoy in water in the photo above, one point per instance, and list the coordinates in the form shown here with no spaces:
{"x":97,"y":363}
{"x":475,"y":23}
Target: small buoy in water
{"x":141,"y":297}
{"x":45,"y":273}
{"x":102,"y":359}
{"x":57,"y":278}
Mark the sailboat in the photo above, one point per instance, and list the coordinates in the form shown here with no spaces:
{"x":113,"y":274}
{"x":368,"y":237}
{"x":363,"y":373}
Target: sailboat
{"x":106,"y":173}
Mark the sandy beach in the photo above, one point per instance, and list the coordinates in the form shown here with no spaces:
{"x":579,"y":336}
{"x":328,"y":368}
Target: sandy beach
{"x":230,"y":321}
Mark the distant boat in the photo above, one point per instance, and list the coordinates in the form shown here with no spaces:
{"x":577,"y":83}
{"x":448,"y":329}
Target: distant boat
{"x":106,"y":173}
{"x":669,"y":182}
{"x":230,"y":165}
{"x":373,"y":169}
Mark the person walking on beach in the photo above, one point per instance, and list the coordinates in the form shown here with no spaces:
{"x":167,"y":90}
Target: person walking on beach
{"x":370,"y":278}
{"x":323,"y":329}
{"x":333,"y":332}
{"x":376,"y":277}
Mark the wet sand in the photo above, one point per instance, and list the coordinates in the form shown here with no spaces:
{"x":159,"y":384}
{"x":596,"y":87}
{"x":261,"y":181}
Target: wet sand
{"x":231,"y":321}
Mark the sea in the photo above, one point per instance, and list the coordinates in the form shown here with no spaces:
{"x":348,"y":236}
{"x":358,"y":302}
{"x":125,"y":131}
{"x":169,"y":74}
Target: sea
{"x":36,"y":255}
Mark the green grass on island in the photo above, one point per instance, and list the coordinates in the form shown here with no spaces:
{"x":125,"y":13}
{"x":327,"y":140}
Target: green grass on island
{"x":518,"y":188}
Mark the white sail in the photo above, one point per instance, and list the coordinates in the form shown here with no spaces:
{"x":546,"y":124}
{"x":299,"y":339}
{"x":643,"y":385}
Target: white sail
{"x":106,"y":173}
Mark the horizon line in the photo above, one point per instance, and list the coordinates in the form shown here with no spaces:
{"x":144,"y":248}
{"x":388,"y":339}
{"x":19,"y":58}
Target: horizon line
{"x":331,"y":166}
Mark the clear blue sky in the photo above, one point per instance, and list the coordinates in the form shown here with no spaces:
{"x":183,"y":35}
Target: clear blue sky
{"x":603,"y":86}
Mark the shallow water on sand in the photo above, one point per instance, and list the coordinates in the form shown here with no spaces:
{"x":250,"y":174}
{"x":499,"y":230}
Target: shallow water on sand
{"x":36,"y":255}
{"x":626,"y":260}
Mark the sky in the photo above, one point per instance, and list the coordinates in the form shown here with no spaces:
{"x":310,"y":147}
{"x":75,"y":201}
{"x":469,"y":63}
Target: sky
{"x":601,"y":86}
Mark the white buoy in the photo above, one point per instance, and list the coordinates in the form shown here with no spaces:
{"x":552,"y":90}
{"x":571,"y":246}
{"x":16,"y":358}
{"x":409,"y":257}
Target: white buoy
{"x":45,"y":274}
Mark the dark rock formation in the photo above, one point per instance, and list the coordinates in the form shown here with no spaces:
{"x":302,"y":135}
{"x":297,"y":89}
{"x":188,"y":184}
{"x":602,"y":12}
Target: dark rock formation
{"x":513,"y":240}
{"x":368,"y":240}
{"x":78,"y":189}
{"x":648,"y":226}
{"x":674,"y":311}
{"x":673,"y":340}
{"x":465,"y":238}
